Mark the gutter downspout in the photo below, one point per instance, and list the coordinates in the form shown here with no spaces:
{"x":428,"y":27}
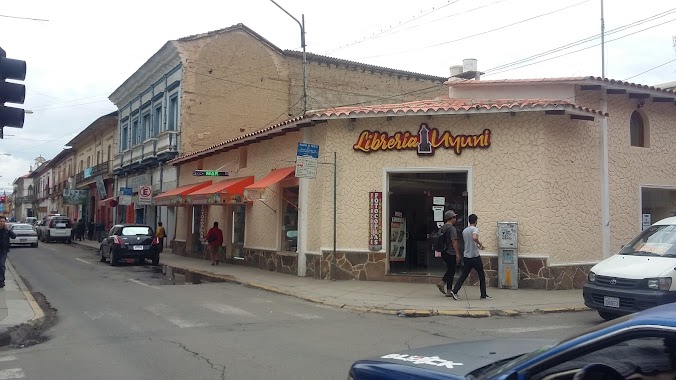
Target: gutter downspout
{"x":605,"y":192}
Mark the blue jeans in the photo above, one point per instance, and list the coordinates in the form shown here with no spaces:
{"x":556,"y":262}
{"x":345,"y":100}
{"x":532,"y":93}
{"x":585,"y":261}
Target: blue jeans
{"x":3,"y":258}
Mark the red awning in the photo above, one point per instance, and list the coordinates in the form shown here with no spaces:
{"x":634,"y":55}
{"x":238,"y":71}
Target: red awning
{"x":227,"y":191}
{"x":255,"y":190}
{"x":177,"y":195}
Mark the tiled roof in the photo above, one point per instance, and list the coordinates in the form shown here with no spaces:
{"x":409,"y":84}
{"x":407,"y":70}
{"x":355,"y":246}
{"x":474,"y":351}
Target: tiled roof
{"x":591,"y":80}
{"x":437,"y":106}
{"x":448,"y":105}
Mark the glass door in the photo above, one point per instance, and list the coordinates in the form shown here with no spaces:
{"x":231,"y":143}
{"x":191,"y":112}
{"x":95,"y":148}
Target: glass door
{"x":238,"y":224}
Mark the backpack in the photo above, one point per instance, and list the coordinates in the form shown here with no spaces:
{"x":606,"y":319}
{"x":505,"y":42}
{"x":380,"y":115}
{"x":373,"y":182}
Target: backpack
{"x":439,"y":241}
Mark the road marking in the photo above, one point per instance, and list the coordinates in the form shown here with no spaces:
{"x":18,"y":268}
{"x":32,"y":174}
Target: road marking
{"x":519,"y":330}
{"x":143,"y":283}
{"x":161,"y":311}
{"x":84,"y":261}
{"x":7,"y":358}
{"x":302,"y":315}
{"x":228,"y":310}
{"x":12,"y":373}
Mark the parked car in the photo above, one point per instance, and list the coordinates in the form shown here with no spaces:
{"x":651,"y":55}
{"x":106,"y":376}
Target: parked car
{"x":55,"y":228}
{"x":636,"y":346}
{"x":25,"y":235}
{"x":30,"y":220}
{"x":130,"y":243}
{"x":642,"y":275}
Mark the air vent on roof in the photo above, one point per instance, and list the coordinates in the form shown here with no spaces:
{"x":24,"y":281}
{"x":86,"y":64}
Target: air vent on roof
{"x":468,"y":70}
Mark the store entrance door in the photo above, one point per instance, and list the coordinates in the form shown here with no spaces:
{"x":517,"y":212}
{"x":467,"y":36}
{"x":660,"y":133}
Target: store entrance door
{"x":412,"y":218}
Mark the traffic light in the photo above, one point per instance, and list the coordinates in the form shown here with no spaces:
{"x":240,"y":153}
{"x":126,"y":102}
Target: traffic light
{"x":11,"y":92}
{"x":2,"y":199}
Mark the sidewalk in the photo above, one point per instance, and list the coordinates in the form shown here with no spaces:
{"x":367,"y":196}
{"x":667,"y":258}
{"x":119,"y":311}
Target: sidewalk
{"x":382,"y":297}
{"x":17,"y":305}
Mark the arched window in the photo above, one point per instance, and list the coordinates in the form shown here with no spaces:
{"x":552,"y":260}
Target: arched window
{"x":637,"y":129}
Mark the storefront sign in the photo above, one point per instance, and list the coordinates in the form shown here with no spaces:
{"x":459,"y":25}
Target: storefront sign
{"x":425,"y":142}
{"x":214,"y":199}
{"x":74,"y":197}
{"x":125,"y":196}
{"x":307,"y":157}
{"x":375,"y":221}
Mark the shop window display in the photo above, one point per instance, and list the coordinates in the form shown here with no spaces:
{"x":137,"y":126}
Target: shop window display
{"x":290,"y":219}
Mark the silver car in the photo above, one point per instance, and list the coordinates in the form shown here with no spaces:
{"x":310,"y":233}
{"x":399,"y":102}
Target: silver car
{"x":25,"y":235}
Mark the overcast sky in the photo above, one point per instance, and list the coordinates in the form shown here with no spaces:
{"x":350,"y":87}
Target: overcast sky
{"x":87,"y":49}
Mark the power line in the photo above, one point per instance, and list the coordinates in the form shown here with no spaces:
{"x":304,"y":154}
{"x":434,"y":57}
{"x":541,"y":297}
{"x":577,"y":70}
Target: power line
{"x":23,"y":18}
{"x":478,"y":34}
{"x":376,"y":35}
{"x":582,"y":41}
{"x":651,"y":69}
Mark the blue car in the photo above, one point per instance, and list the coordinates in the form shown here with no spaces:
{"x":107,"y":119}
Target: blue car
{"x":636,"y":346}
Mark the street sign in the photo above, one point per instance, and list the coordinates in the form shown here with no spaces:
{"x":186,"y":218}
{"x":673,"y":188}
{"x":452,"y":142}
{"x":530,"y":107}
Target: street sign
{"x":210,"y":173}
{"x":125,"y":196}
{"x":145,"y":195}
{"x":307,"y":157}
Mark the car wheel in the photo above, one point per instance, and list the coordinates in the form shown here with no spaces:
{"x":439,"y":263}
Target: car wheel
{"x":34,"y":245}
{"x":608,"y":316}
{"x":68,"y":241}
{"x":112,"y":257}
{"x":103,"y":258}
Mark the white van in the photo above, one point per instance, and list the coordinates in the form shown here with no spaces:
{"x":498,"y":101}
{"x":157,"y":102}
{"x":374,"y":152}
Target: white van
{"x":642,"y":275}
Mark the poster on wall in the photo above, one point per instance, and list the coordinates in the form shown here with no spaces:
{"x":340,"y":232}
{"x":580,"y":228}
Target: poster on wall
{"x":375,"y":221}
{"x":398,"y":238}
{"x":74,"y":197}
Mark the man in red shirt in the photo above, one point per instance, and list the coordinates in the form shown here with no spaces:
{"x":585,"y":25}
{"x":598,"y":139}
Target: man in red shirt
{"x":215,"y":240}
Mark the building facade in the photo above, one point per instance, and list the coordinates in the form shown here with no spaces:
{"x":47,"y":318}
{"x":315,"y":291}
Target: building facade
{"x":23,"y":203}
{"x":536,"y":159}
{"x":219,"y":85}
{"x":93,"y":153}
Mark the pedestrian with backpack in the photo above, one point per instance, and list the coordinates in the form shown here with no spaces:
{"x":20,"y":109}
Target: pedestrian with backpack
{"x":447,"y":244}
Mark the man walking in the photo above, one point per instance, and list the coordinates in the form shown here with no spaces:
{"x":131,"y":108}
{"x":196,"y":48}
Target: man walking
{"x":215,"y":240}
{"x":472,"y":258}
{"x":5,"y":235}
{"x":449,"y":251}
{"x":160,"y":235}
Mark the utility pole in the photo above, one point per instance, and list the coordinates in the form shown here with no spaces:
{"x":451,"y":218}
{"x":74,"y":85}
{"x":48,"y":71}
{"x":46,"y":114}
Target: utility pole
{"x":603,"y":44}
{"x":302,"y":44}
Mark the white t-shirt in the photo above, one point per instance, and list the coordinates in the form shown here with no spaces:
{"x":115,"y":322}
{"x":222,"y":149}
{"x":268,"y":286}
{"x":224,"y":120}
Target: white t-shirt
{"x":471,"y":249}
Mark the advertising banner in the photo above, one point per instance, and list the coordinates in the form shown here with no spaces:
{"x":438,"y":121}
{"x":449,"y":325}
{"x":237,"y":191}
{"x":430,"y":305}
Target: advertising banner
{"x":74,"y":197}
{"x":101,"y":187}
{"x":125,"y":196}
{"x":375,"y":221}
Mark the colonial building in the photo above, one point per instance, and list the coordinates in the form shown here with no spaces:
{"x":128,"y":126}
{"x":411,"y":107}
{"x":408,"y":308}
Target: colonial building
{"x":23,"y":203}
{"x":91,"y":166}
{"x":580,"y":164}
{"x":40,"y":192}
{"x":213,"y":86}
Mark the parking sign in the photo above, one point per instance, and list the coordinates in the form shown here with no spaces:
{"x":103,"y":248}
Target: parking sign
{"x":145,"y":195}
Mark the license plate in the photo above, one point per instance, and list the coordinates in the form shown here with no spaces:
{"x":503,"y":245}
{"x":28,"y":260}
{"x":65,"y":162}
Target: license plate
{"x":131,"y":261}
{"x":22,"y":240}
{"x":138,"y":248}
{"x":611,"y":301}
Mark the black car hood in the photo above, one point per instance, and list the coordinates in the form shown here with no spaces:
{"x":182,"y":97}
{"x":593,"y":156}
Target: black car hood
{"x":458,"y":359}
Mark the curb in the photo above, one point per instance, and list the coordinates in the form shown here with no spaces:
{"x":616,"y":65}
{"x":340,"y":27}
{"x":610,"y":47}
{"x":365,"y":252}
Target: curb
{"x":411,"y":313}
{"x":39,"y":315}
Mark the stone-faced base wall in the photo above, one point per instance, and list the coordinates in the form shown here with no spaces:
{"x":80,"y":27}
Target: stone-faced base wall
{"x":365,"y":266}
{"x":179,"y":247}
{"x":282,"y":262}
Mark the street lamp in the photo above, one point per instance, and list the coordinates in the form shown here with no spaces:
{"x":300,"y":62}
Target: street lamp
{"x":302,"y":44}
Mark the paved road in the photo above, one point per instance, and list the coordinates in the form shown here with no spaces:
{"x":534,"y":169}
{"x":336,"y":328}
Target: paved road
{"x":124,"y":323}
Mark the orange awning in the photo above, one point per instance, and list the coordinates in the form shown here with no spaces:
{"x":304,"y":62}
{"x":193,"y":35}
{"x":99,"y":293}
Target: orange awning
{"x":228,"y":191}
{"x":255,"y":190}
{"x":177,"y":195}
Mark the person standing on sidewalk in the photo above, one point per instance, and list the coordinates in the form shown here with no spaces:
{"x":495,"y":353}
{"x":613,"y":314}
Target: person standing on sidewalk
{"x":451,"y":253}
{"x":472,"y":258}
{"x":215,"y":239}
{"x":5,"y":235}
{"x":160,"y":234}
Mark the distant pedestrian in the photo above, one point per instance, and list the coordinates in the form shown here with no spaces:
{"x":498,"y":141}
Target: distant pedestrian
{"x":5,"y":235}
{"x":449,"y":251}
{"x":99,"y":231}
{"x":160,"y":234}
{"x":80,"y":230}
{"x":73,"y":230}
{"x":472,"y":258}
{"x":90,"y":230}
{"x":215,"y":239}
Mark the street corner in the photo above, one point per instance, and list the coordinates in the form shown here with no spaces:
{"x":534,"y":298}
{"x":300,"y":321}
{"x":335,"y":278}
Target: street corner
{"x":414,"y":313}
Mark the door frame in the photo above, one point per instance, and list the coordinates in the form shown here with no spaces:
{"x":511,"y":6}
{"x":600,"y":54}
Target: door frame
{"x":386,"y":197}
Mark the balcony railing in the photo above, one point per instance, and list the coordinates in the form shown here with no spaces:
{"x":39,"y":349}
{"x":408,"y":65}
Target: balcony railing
{"x":151,"y":148}
{"x":98,"y":170}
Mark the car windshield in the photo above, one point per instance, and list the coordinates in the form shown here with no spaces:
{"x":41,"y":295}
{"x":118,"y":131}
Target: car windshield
{"x":653,"y":241}
{"x":136,"y":231}
{"x":499,"y":367}
{"x":22,"y":227}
